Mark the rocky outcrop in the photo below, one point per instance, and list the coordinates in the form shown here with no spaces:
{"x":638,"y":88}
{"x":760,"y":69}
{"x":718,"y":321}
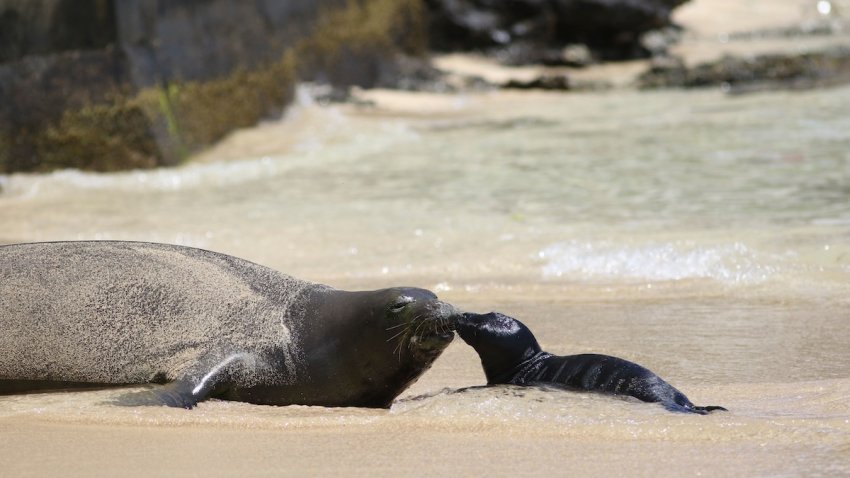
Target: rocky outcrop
{"x":753,"y":73}
{"x":611,"y":28}
{"x":116,"y":84}
{"x":43,"y":27}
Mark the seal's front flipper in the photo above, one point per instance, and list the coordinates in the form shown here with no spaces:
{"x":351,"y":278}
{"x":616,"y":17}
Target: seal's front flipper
{"x":689,"y":408}
{"x":188,"y":392}
{"x":176,"y":394}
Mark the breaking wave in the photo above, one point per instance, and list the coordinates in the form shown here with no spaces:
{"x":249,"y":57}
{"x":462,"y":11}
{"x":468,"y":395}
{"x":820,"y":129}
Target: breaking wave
{"x":728,"y":263}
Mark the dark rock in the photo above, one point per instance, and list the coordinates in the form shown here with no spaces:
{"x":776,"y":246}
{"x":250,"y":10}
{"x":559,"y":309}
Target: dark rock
{"x":116,"y":84}
{"x":411,"y":73}
{"x":190,"y":40}
{"x":658,"y":42}
{"x":611,"y":28}
{"x":30,"y":27}
{"x":545,"y":82}
{"x":37,"y":90}
{"x":744,"y":74}
{"x":824,"y":26}
{"x":527,"y":53}
{"x":478,"y":24}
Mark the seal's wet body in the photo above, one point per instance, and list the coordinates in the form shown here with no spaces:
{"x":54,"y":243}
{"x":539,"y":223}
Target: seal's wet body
{"x":103,"y":313}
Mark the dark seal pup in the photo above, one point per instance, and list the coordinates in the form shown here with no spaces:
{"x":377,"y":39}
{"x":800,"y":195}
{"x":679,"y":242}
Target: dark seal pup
{"x":203,"y":324}
{"x":511,"y":355}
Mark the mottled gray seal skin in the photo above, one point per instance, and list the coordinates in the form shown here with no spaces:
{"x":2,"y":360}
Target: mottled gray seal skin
{"x":204,"y":324}
{"x":510,"y":354}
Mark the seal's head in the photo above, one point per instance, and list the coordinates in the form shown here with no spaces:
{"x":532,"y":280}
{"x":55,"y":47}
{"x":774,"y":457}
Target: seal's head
{"x":417,"y":322}
{"x":503,"y":343}
{"x":366,"y":347}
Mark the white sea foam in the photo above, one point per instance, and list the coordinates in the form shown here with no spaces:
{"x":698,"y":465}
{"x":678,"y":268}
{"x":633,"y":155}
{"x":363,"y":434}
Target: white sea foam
{"x":165,"y":179}
{"x":669,"y":261}
{"x":311,"y":130}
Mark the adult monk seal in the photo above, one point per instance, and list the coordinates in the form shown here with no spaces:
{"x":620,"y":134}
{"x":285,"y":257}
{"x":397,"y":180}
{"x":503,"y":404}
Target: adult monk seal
{"x":94,"y":314}
{"x":511,"y":355}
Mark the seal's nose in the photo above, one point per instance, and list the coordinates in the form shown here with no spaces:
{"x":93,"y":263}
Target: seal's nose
{"x":448,"y":314}
{"x":445,"y":311}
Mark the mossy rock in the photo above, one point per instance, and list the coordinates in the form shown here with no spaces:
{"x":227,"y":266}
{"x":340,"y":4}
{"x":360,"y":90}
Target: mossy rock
{"x":100,"y":138}
{"x":161,"y":125}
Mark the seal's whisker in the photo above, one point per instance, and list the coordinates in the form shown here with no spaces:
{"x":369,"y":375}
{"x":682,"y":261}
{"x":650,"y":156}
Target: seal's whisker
{"x":397,"y":326}
{"x":444,"y":325}
{"x":401,"y":341}
{"x":416,"y":321}
{"x":416,"y":332}
{"x":396,"y":335}
{"x":419,"y":327}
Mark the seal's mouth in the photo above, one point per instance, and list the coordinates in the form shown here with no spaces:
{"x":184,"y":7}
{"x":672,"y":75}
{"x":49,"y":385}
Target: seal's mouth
{"x":439,"y":327}
{"x":432,"y":340}
{"x":429,"y":328}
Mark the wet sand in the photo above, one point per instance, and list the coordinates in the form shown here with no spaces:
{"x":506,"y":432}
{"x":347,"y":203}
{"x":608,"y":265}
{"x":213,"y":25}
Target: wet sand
{"x":137,"y":451}
{"x":440,"y":426}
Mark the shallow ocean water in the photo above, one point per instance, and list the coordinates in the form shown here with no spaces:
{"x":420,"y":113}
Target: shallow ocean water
{"x":706,"y":237}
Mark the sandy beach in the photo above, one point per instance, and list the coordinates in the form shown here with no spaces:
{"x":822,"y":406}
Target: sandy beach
{"x":724,"y":270}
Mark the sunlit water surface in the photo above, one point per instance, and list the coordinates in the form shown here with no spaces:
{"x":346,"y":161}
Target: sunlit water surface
{"x":706,"y":237}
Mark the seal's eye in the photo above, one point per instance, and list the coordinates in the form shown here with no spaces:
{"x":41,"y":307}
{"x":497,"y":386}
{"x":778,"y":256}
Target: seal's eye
{"x":401,"y":303}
